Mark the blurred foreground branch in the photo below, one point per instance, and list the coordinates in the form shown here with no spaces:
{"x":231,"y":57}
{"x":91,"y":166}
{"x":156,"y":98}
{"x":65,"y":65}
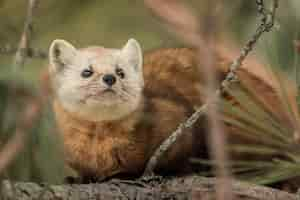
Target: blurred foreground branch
{"x":33,"y":109}
{"x":267,"y":22}
{"x":181,"y":21}
{"x":191,"y":187}
{"x":297,"y":45}
{"x":17,"y":142}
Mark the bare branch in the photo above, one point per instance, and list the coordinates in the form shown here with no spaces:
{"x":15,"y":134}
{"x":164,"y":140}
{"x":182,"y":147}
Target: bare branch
{"x":29,"y":52}
{"x":267,"y":23}
{"x":152,"y":163}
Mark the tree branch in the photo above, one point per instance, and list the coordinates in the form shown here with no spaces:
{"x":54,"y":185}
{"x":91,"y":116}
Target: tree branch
{"x":191,"y":187}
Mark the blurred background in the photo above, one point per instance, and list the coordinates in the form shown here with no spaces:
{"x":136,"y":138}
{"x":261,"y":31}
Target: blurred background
{"x":110,"y":23}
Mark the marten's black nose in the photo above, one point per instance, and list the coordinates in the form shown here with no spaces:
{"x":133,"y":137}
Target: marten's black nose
{"x":109,"y":79}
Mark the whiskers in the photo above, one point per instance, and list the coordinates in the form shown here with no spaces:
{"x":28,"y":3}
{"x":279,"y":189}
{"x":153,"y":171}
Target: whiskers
{"x":122,"y":92}
{"x":131,"y":92}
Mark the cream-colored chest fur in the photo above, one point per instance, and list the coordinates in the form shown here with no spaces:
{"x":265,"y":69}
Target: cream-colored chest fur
{"x":101,"y":149}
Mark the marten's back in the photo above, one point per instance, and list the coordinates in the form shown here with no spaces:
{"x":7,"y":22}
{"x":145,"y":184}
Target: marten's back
{"x":174,"y":87}
{"x":172,"y":91}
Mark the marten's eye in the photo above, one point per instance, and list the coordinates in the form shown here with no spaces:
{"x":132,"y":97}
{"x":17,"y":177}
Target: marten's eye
{"x":120,"y":72}
{"x":86,"y":73}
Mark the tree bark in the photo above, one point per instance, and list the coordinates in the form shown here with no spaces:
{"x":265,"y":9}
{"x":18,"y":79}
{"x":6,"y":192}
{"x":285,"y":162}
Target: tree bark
{"x":183,"y":188}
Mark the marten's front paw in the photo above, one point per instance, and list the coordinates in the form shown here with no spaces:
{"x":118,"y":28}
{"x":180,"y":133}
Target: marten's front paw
{"x":151,"y":178}
{"x":89,"y":179}
{"x":80,"y":180}
{"x":72,"y":180}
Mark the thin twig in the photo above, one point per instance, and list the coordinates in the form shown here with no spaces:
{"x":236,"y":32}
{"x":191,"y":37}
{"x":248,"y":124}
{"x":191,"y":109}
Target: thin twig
{"x":266,"y":25}
{"x":26,"y":37}
{"x":152,"y":163}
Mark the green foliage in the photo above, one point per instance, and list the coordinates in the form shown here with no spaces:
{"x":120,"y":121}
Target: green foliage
{"x":262,"y":146}
{"x":272,"y":140}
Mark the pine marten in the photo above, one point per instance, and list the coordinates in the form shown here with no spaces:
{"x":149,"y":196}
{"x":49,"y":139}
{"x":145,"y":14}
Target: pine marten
{"x":114,"y":107}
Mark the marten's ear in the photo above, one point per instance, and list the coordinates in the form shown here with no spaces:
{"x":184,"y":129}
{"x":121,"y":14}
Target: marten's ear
{"x":132,"y":52}
{"x":61,"y":54}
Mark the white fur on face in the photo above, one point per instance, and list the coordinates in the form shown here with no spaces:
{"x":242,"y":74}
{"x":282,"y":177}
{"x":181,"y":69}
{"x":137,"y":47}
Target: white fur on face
{"x":88,"y":97}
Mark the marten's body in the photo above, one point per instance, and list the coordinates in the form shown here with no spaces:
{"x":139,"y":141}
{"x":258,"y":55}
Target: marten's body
{"x":102,"y":144}
{"x":107,"y":148}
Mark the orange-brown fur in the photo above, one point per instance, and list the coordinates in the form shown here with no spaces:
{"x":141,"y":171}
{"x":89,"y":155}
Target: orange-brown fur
{"x":172,"y":91}
{"x":104,"y":149}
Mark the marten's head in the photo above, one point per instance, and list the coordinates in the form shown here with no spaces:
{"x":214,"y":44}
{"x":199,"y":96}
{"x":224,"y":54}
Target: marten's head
{"x":96,"y":83}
